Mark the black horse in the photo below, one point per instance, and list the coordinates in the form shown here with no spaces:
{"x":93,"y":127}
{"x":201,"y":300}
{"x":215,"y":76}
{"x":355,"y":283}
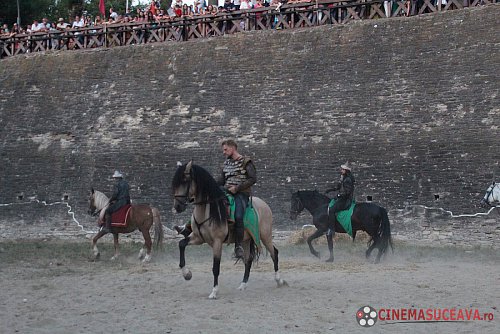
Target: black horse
{"x":367,"y":217}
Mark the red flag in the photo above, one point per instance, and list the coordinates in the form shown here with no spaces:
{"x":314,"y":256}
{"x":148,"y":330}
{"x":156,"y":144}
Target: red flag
{"x":102,"y":8}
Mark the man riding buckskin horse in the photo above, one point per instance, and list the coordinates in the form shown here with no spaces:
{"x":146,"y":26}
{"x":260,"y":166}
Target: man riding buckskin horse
{"x":346,"y":190}
{"x":237,"y":176}
{"x":120,"y":197}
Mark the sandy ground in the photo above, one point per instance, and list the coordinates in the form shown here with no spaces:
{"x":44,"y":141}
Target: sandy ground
{"x":52,"y":287}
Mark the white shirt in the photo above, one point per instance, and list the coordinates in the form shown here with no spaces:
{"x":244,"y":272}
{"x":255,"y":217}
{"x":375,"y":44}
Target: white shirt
{"x":245,"y":4}
{"x":78,"y":24}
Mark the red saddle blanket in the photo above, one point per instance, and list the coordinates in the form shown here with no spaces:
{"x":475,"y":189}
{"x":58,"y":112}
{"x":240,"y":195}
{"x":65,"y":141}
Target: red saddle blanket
{"x":119,"y":218}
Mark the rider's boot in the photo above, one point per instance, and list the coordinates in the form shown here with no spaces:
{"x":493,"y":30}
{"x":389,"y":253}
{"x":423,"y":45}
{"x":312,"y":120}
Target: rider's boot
{"x":182,"y":229}
{"x":239,"y":231}
{"x":107,"y":224}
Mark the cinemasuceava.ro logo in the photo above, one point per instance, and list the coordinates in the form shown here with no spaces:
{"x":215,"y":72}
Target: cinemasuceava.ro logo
{"x":367,"y":316}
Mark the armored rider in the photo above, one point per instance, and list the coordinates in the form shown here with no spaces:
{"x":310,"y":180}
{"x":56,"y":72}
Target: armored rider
{"x":120,"y":197}
{"x":346,"y":190}
{"x":237,"y":176}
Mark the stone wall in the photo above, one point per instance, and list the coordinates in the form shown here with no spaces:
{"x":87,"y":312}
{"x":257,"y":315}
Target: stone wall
{"x":413,"y":103}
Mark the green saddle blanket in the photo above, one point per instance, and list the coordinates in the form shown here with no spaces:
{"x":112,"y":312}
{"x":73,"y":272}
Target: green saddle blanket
{"x":344,"y":217}
{"x":250,"y":219}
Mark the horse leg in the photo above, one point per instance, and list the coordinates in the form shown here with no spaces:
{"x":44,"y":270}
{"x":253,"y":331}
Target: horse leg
{"x":147,"y":243}
{"x":95,"y":250}
{"x":372,"y":247}
{"x":189,"y":240}
{"x":329,"y":239}
{"x":117,"y":251}
{"x":217,"y":254}
{"x":379,"y":254}
{"x":313,"y":236}
{"x":249,"y":249}
{"x":268,"y":243}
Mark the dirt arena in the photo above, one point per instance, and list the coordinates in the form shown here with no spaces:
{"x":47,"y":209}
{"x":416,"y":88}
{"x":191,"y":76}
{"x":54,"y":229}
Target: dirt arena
{"x":51,"y":286}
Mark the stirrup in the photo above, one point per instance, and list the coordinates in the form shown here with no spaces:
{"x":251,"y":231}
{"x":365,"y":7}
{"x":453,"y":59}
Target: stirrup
{"x":239,"y":252}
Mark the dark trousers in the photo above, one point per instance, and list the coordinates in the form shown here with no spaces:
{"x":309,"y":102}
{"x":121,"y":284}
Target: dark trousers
{"x":240,"y":203}
{"x":340,"y":204}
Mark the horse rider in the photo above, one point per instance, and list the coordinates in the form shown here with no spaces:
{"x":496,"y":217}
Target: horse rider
{"x":237,"y":176}
{"x":120,"y":197}
{"x":346,"y":190}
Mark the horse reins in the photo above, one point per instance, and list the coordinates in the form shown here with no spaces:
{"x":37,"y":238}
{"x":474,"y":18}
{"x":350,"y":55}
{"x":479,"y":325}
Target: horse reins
{"x":185,"y":202}
{"x":489,"y":193}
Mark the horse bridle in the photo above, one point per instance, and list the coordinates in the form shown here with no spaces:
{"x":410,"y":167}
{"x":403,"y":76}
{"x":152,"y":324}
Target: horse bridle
{"x":185,"y":198}
{"x":489,"y":193}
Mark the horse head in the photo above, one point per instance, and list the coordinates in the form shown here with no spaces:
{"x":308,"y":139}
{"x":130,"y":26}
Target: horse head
{"x":296,"y":205}
{"x":492,"y":195}
{"x":97,"y":202}
{"x":182,"y":188}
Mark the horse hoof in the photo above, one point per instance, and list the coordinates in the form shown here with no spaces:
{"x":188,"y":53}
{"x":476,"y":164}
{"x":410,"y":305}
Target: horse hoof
{"x":243,"y":286}
{"x":114,"y":258}
{"x":188,"y":276}
{"x":282,"y":283}
{"x":146,"y":259}
{"x":329,"y":260}
{"x":213,"y":295}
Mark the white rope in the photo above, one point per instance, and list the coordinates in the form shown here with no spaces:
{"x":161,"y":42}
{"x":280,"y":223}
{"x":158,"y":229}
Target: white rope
{"x":458,"y":216}
{"x":70,"y":210}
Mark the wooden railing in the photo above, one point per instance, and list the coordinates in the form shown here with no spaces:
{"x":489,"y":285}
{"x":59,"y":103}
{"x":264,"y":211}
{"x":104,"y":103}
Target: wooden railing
{"x":290,"y":16}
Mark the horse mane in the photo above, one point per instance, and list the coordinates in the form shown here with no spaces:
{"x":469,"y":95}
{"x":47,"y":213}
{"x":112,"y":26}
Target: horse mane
{"x":100,"y":200}
{"x":207,"y":189}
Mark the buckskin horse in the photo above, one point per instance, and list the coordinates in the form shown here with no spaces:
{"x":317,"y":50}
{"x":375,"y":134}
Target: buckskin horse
{"x":140,"y":216}
{"x":367,"y":217}
{"x":209,"y":222}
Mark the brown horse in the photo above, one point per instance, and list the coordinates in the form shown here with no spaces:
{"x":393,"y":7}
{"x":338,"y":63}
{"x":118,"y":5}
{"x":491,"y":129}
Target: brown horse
{"x":141,"y":217}
{"x":192,"y":183}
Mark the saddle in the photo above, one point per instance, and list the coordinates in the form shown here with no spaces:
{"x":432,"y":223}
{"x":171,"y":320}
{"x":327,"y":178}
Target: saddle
{"x":119,"y":218}
{"x":250,"y":219}
{"x":344,"y":216}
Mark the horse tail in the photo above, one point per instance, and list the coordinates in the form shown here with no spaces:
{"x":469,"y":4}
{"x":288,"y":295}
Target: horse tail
{"x":158,"y":237}
{"x":384,"y":233}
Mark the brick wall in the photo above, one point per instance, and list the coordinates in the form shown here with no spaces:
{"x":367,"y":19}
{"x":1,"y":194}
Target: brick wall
{"x":413,"y":103}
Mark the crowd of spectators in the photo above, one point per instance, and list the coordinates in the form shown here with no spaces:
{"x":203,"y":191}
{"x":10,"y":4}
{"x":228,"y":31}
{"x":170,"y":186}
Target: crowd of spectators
{"x":151,"y":13}
{"x":155,"y":12}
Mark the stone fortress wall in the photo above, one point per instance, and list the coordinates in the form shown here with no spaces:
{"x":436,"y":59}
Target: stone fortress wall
{"x":412,"y":103}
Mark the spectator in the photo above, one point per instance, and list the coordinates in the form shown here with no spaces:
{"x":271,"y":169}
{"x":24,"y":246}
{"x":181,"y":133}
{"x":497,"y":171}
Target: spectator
{"x":16,"y":30}
{"x":245,"y":4}
{"x":45,"y":25}
{"x":5,"y":30}
{"x":210,"y":10}
{"x":36,"y":26}
{"x":112,"y":14}
{"x":236,"y":4}
{"x":178,"y":11}
{"x":78,"y":22}
{"x":171,"y":12}
{"x":228,"y":5}
{"x":98,"y":21}
{"x":61,"y":25}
